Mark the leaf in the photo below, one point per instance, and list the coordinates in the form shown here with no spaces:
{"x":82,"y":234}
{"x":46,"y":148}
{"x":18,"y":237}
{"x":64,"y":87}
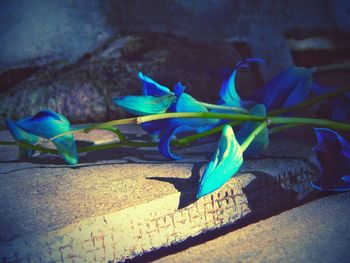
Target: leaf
{"x":226,"y":161}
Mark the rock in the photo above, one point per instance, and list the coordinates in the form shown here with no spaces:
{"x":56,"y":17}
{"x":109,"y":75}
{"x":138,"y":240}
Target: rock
{"x":83,"y":91}
{"x":119,"y":203}
{"x":302,"y":234}
{"x":36,"y":33}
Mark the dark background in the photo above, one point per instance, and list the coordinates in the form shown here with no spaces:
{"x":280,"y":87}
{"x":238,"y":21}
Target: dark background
{"x":74,"y":56}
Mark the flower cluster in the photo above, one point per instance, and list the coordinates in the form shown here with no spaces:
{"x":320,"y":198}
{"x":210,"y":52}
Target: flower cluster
{"x":238,"y":140}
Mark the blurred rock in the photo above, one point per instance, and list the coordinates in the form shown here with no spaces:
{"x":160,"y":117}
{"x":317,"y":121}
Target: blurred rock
{"x":37,"y":32}
{"x":260,"y":24}
{"x":83,"y":91}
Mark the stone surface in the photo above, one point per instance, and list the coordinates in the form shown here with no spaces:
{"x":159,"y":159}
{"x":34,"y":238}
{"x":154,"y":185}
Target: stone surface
{"x":83,"y":91}
{"x":117,"y":204}
{"x":314,"y":232}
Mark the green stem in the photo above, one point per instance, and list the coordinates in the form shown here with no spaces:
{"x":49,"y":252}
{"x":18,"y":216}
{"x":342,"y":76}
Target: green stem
{"x":321,"y":69}
{"x":114,"y":145}
{"x":252,"y":136}
{"x":311,"y":101}
{"x":241,"y":117}
{"x":223,"y":107}
{"x":117,"y":132}
{"x":282,"y":128}
{"x":310,"y":121}
{"x":201,"y":115}
{"x":36,"y":147}
{"x":197,"y":136}
{"x":111,"y":123}
{"x":7,"y":143}
{"x":246,"y":117}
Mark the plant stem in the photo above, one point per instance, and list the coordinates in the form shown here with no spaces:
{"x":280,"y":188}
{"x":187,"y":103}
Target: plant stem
{"x":236,"y":117}
{"x":321,"y":69}
{"x":114,"y":145}
{"x":117,"y":132}
{"x":246,"y":117}
{"x":311,"y":101}
{"x":310,"y":121}
{"x":223,"y":107}
{"x":36,"y":147}
{"x":282,"y":127}
{"x":252,"y":136}
{"x":197,"y":136}
{"x":111,"y":123}
{"x":7,"y":143}
{"x":241,"y":117}
{"x":201,"y":115}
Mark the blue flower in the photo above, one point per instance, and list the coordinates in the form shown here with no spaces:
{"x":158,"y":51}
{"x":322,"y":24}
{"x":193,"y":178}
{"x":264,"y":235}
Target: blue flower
{"x":171,"y":127}
{"x":226,"y":161}
{"x":20,"y":135}
{"x":333,"y":154}
{"x":48,"y":124}
{"x":288,"y":88}
{"x":159,"y":99}
{"x":261,"y":141}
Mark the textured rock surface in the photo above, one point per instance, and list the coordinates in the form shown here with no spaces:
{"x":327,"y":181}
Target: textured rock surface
{"x":119,"y":203}
{"x":83,"y":91}
{"x":314,"y":232}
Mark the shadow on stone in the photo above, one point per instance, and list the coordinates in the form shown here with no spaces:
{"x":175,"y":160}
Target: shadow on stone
{"x":184,"y":186}
{"x":265,"y":197}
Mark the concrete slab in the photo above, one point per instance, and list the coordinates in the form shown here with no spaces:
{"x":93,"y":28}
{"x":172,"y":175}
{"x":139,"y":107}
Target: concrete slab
{"x":318,"y":231}
{"x":118,"y":204}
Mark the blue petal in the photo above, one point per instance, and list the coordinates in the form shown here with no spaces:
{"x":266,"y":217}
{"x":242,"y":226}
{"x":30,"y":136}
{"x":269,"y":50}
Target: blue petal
{"x":20,"y":135}
{"x":340,"y":105}
{"x":145,"y":105}
{"x":341,"y":109}
{"x":48,"y":124}
{"x":320,"y":90}
{"x":164,"y":143}
{"x":226,"y":161}
{"x":66,"y":148}
{"x":333,"y":154}
{"x":228,"y":92}
{"x":288,"y":88}
{"x":186,"y":103}
{"x":179,"y":89}
{"x":300,"y":91}
{"x":152,"y":88}
{"x":155,"y":127}
{"x":261,"y":141}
